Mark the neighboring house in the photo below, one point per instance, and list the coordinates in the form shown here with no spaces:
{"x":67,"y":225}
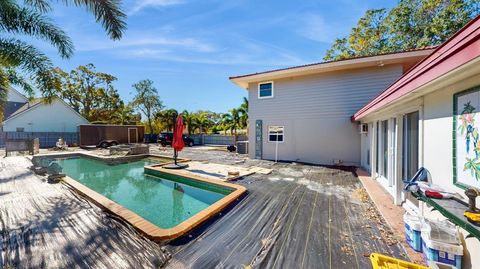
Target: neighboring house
{"x":47,"y":121}
{"x":37,"y":116}
{"x":430,"y":118}
{"x":15,"y":100}
{"x":308,"y":108}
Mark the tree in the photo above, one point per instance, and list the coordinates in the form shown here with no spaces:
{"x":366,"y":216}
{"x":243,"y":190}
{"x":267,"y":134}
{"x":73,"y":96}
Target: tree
{"x":189,"y":121}
{"x":203,"y":122}
{"x":243,"y":110}
{"x":126,"y":115}
{"x":167,"y":118}
{"x":147,"y":100}
{"x":89,"y":92}
{"x":21,"y":62}
{"x":411,"y":24}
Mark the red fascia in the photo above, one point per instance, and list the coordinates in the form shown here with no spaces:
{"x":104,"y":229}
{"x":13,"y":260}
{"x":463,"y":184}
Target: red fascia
{"x":461,"y":48}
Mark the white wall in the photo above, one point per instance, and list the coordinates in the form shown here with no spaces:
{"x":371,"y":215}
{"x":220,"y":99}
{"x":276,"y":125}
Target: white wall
{"x":316,"y":111}
{"x":438,"y":113}
{"x":14,"y":96}
{"x":436,"y":143}
{"x":54,"y":117}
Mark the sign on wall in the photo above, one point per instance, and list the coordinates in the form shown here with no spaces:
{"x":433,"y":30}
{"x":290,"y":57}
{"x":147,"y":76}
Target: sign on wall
{"x":466,"y":138}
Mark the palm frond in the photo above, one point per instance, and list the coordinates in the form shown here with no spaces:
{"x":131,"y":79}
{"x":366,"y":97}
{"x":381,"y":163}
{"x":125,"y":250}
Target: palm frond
{"x":16,"y":79}
{"x":4,"y":84}
{"x":19,"y":20}
{"x":40,"y":5}
{"x":18,"y":54}
{"x":107,"y":12}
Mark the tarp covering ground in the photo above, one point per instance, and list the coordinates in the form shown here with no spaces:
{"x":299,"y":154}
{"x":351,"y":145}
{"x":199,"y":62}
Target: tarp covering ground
{"x":297,"y":217}
{"x":48,"y":226}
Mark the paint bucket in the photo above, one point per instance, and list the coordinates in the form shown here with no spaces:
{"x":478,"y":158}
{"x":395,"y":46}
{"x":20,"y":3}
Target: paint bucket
{"x":441,"y":243}
{"x":413,"y":227}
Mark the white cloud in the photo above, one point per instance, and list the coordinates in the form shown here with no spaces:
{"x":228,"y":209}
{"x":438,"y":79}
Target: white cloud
{"x":141,"y":4}
{"x":188,"y":43}
{"x":248,"y":55}
{"x":314,"y":27}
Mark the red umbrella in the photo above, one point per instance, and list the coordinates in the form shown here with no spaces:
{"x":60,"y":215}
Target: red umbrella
{"x":177,"y":142}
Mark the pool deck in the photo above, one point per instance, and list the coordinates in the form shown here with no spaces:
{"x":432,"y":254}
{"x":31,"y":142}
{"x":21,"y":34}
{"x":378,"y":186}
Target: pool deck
{"x":48,"y":226}
{"x":299,"y":216}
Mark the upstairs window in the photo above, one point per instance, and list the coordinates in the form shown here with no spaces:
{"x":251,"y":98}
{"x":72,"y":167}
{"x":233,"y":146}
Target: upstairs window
{"x":20,"y":129}
{"x":265,"y":90}
{"x":276,"y":133}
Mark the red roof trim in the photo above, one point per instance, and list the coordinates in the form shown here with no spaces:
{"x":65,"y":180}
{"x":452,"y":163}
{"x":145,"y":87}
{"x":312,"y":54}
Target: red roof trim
{"x":327,"y":62}
{"x":461,"y":48}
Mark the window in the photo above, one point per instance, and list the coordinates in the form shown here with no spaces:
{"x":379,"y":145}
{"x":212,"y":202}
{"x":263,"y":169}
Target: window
{"x":265,"y":90}
{"x":20,"y":129}
{"x":276,"y":133}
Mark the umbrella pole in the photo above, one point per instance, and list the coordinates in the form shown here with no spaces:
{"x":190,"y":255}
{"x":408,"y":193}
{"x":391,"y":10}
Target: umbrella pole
{"x":175,"y":154}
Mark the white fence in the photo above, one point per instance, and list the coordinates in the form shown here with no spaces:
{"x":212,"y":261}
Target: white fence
{"x":217,"y":139}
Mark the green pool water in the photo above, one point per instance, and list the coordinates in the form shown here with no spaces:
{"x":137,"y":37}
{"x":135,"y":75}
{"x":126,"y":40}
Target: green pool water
{"x":163,"y":202}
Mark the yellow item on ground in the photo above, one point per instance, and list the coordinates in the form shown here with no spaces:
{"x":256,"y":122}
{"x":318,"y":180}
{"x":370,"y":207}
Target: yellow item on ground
{"x":472,"y":216}
{"x":380,"y":261}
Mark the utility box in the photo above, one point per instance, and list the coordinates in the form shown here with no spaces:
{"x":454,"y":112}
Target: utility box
{"x":242,"y":147}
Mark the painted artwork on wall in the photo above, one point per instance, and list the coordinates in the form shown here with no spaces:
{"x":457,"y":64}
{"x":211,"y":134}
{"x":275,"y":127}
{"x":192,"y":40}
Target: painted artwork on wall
{"x":466,"y":138}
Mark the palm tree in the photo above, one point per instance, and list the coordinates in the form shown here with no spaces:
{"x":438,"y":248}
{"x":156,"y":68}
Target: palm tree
{"x":235,"y":115}
{"x":167,"y":118}
{"x":202,"y":122}
{"x":125,"y":115}
{"x":243,"y":110}
{"x":226,"y":122}
{"x":189,"y":120}
{"x":21,"y":61}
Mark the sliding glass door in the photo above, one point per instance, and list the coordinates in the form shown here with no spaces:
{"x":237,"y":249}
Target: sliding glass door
{"x":384,"y":149}
{"x":410,"y":149}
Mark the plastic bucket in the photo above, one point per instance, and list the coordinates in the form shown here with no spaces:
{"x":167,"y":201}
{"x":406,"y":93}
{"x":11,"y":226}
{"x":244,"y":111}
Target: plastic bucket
{"x":413,"y":228}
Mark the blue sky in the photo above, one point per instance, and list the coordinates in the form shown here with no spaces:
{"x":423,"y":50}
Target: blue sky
{"x":189,"y":48}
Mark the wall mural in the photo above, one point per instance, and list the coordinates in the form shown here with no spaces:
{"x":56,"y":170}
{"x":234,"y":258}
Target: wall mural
{"x":466,"y":138}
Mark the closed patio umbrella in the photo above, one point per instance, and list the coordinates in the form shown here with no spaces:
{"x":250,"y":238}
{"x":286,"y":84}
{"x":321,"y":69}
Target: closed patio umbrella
{"x":177,"y":142}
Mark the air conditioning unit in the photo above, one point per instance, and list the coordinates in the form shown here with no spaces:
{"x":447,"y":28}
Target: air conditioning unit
{"x":363,"y":128}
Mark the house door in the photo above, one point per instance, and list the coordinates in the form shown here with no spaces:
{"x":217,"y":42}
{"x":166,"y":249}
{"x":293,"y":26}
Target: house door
{"x":132,"y":135}
{"x":410,"y":152}
{"x":386,"y":149}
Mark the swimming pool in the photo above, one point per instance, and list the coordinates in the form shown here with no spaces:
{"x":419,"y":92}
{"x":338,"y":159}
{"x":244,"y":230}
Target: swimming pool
{"x":161,"y":204}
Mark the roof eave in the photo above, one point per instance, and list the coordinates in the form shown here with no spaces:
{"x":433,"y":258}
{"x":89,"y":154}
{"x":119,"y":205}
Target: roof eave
{"x":458,"y":50}
{"x":377,"y":60}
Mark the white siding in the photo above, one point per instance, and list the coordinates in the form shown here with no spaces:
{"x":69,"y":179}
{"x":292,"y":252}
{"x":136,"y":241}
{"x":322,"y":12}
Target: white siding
{"x":437,"y":151}
{"x":54,"y":117}
{"x":316,"y":111}
{"x":14,"y":96}
{"x":436,"y":154}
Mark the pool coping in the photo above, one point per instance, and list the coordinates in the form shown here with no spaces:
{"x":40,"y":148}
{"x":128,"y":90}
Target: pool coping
{"x":144,"y":226}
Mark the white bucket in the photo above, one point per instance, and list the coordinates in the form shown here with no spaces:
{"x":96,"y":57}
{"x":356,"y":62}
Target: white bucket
{"x":413,"y":227}
{"x":441,"y":243}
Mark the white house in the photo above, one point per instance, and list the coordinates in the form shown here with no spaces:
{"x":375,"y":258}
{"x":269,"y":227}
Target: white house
{"x":15,"y":100}
{"x":430,"y":118}
{"x":36,"y":118}
{"x":308,"y":108}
